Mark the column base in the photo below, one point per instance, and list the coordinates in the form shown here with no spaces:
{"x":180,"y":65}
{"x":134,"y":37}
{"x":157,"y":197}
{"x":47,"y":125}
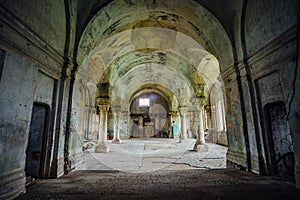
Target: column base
{"x":116,"y":141}
{"x":201,"y":148}
{"x":184,"y":140}
{"x":101,"y":148}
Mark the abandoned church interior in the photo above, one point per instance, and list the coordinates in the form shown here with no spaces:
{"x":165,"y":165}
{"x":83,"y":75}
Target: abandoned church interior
{"x":107,"y":72}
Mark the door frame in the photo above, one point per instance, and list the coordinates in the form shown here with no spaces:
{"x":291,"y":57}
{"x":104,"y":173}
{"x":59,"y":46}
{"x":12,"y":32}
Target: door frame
{"x":45,"y":154}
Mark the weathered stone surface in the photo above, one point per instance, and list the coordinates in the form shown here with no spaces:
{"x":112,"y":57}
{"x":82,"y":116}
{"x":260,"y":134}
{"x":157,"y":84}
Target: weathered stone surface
{"x":66,"y":54}
{"x":101,"y":148}
{"x":191,"y":184}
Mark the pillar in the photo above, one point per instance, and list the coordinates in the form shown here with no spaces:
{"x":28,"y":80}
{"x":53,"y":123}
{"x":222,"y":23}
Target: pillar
{"x":141,"y":126}
{"x":175,"y":125}
{"x":201,"y":127}
{"x":102,"y":146}
{"x":116,"y":138}
{"x":200,"y":142}
{"x":157,"y":126}
{"x":183,"y":115}
{"x":214,"y":130}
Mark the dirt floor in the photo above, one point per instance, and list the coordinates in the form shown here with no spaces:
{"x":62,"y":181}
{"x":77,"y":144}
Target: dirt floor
{"x":164,"y":184}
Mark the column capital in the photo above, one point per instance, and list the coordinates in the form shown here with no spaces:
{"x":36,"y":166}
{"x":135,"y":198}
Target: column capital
{"x":199,"y":102}
{"x":173,"y":113}
{"x":103,"y":103}
{"x":183,"y":109}
{"x":116,"y":109}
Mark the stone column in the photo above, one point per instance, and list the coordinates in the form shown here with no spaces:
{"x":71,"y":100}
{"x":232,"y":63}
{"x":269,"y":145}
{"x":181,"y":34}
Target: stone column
{"x":102,"y":146}
{"x":214,"y":130}
{"x":201,"y":127}
{"x":183,"y":114}
{"x":174,"y":116}
{"x":141,"y":126}
{"x":200,"y":142}
{"x":129,"y":126}
{"x":116,"y":138}
{"x":157,"y":124}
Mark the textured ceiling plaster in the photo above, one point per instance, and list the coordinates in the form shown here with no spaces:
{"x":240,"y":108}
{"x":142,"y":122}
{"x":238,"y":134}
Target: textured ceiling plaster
{"x":186,"y":17}
{"x":113,"y":58}
{"x":165,"y":43}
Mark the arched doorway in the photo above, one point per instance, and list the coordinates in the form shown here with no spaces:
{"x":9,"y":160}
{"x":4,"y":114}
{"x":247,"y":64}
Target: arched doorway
{"x":149,"y":113}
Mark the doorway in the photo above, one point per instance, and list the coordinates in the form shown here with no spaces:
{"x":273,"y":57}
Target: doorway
{"x":149,"y":115}
{"x":36,"y":165}
{"x":280,"y":142}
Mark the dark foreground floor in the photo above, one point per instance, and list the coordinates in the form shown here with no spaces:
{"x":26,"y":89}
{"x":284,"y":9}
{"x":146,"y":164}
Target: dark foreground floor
{"x":184,"y":184}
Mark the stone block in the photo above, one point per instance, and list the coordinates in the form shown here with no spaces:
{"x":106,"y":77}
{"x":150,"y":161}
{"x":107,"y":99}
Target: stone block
{"x":201,"y":148}
{"x":101,"y":148}
{"x":116,"y":141}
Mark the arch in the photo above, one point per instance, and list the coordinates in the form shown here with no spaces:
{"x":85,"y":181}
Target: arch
{"x":151,"y":90}
{"x":191,"y":19}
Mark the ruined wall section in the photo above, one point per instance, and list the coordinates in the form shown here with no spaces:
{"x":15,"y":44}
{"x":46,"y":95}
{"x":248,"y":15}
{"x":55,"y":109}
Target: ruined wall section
{"x":269,"y":59}
{"x":22,"y":83}
{"x":268,"y":20}
{"x":236,"y":154}
{"x":268,"y":66}
{"x":272,"y":72}
{"x":33,"y":45}
{"x":43,"y":18}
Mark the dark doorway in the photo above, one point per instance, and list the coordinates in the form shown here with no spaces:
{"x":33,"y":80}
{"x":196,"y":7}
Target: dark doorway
{"x":280,"y":141}
{"x":36,"y":149}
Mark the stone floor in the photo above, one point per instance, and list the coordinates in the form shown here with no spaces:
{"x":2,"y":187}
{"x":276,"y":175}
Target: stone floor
{"x":159,"y":169}
{"x":140,"y":155}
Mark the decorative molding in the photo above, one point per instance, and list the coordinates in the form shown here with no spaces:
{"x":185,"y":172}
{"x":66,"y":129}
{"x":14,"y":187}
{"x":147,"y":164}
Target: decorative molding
{"x":8,"y":176}
{"x":10,"y":184}
{"x":183,"y":109}
{"x":103,"y":104}
{"x":102,"y":101}
{"x":236,"y":157}
{"x":227,"y":72}
{"x":274,"y":45}
{"x":17,"y":35}
{"x":265,"y":51}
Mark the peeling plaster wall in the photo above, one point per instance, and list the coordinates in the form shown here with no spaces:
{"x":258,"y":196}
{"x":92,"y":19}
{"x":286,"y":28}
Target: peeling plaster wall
{"x":235,"y":135}
{"x":16,"y":98}
{"x":272,"y":78}
{"x":21,"y":84}
{"x":34,"y":41}
{"x":84,"y":119}
{"x":38,"y":16}
{"x":270,"y":19}
{"x":271,"y":47}
{"x":33,"y":36}
{"x":217,"y":130}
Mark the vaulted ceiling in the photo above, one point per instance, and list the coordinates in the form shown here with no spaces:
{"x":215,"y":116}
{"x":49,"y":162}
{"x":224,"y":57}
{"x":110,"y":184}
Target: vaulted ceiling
{"x":131,"y":44}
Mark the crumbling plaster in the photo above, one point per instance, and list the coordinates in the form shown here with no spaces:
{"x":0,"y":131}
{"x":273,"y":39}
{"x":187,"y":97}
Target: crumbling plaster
{"x":105,"y":24}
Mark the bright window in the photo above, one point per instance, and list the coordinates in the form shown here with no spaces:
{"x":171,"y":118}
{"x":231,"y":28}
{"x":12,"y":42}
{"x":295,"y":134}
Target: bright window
{"x":144,"y":102}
